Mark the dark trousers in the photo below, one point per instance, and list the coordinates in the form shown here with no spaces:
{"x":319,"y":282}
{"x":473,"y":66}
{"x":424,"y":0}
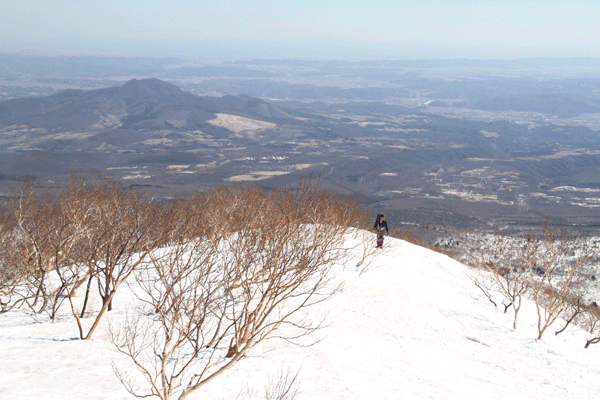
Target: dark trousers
{"x":380,"y":234}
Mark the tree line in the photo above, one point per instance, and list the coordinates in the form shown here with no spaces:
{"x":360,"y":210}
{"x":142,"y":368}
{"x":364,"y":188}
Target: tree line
{"x":551,"y":267}
{"x":216,"y":273}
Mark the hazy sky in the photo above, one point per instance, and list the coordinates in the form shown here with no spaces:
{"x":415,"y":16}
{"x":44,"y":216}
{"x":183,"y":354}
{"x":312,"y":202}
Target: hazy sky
{"x":305,"y":28}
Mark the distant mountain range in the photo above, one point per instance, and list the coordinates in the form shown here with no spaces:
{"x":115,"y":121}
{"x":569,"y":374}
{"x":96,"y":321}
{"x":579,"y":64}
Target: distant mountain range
{"x":421,"y":167}
{"x":148,"y":104}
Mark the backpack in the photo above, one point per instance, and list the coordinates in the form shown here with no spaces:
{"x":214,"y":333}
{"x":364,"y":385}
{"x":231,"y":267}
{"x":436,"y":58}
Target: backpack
{"x":377,"y":219}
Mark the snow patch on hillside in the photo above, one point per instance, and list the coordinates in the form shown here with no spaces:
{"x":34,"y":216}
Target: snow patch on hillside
{"x":408,"y":324}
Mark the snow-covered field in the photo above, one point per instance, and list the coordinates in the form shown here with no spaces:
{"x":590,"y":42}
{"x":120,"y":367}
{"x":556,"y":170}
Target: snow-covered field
{"x":412,"y":325}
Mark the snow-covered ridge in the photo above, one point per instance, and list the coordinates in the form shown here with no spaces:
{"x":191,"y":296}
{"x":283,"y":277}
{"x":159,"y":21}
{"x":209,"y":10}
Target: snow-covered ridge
{"x":408,"y":324}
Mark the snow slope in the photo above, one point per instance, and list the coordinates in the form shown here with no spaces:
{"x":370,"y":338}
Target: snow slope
{"x":412,"y":325}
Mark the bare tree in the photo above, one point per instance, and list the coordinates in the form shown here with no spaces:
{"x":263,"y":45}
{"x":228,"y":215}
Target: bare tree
{"x":544,"y":266}
{"x":572,"y":313}
{"x":182,"y":295}
{"x":260,"y":259}
{"x":554,"y":261}
{"x":30,"y":246}
{"x":505,"y":273}
{"x":12,"y":273}
{"x":43,"y":246}
{"x":591,"y":322}
{"x":116,"y":227}
{"x":93,"y":231}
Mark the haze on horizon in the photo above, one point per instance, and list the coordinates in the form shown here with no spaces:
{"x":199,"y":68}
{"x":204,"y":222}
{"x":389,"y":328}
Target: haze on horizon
{"x":326,"y":29}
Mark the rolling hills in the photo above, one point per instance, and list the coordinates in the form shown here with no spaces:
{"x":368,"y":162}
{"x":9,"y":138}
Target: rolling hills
{"x":421,"y":168}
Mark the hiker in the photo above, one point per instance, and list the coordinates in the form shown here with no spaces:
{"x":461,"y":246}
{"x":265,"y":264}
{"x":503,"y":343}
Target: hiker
{"x":379,"y":227}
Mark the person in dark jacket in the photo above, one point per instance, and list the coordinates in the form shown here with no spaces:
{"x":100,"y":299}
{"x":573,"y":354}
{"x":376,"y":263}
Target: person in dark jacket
{"x":380,"y":227}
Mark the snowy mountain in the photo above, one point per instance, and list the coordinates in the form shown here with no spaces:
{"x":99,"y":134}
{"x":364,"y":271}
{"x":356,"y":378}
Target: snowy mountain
{"x":408,"y":324}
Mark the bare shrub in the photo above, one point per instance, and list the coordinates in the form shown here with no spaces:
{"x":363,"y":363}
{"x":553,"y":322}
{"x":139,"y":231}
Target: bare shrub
{"x":590,"y":321}
{"x":572,"y":313}
{"x":544,"y":266}
{"x":116,"y":226}
{"x":11,"y":272}
{"x":30,"y":246}
{"x":94,"y":231}
{"x":365,"y":262}
{"x":180,"y":322}
{"x":505,"y":274}
{"x":256,"y":262}
{"x":283,"y":386}
{"x":43,"y":245}
{"x":554,"y":261}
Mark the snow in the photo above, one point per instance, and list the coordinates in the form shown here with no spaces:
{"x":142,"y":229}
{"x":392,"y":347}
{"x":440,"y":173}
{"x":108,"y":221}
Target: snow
{"x":409,"y":324}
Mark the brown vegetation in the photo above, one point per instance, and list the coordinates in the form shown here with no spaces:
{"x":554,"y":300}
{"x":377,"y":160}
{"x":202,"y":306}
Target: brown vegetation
{"x":218,"y":272}
{"x":252,"y":262}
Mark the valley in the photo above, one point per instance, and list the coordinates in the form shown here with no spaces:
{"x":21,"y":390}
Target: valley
{"x":425,"y":144}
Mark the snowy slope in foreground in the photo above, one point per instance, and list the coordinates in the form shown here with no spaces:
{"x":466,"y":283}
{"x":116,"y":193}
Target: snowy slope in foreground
{"x":412,"y":326}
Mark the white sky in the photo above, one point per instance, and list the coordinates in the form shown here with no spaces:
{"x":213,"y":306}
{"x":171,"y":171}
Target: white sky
{"x":306,"y":28}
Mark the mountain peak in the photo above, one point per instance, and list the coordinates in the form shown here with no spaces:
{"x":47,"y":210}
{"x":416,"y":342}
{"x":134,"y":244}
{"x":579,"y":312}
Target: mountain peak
{"x":153,"y":89}
{"x":147,"y":105}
